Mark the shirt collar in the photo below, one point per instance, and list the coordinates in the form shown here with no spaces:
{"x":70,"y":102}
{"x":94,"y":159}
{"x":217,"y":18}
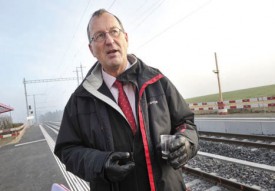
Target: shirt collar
{"x":110,"y":80}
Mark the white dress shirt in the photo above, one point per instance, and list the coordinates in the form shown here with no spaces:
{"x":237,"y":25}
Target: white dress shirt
{"x":128,"y":88}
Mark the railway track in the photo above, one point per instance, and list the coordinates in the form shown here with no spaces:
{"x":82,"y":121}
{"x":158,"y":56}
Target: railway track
{"x":212,"y":182}
{"x":248,"y":140}
{"x":242,"y":162}
{"x":224,"y":173}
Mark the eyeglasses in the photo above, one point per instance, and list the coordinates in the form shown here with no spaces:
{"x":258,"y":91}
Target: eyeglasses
{"x":101,"y":36}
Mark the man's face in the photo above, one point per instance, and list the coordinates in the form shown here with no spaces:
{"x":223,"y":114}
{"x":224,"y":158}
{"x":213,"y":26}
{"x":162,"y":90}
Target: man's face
{"x":111,"y":52}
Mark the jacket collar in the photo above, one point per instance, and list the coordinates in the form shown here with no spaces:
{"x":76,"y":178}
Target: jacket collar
{"x":95,"y":78}
{"x":138,"y":73}
{"x":93,"y":83}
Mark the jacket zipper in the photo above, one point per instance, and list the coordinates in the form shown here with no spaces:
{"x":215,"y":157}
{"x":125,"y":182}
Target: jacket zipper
{"x":143,"y":132}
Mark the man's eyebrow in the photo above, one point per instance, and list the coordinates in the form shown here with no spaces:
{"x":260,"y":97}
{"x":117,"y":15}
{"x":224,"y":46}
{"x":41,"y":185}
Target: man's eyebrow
{"x":99,"y":31}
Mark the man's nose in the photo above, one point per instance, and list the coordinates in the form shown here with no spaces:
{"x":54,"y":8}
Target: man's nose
{"x":109,"y":39}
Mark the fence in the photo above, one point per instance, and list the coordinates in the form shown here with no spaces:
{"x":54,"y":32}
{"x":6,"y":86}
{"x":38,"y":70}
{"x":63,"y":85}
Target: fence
{"x":265,"y":104}
{"x":11,"y":132}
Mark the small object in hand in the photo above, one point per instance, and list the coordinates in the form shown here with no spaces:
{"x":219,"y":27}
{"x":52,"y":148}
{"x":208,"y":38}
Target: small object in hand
{"x":165,"y":141}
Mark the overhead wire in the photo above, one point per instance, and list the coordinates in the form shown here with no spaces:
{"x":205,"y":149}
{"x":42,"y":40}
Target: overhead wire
{"x":109,"y":8}
{"x":67,"y":50}
{"x":138,"y":11}
{"x":74,"y":34}
{"x":150,"y":11}
{"x":175,"y":23}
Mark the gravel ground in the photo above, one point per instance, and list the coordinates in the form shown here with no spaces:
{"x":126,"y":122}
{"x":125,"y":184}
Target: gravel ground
{"x":257,"y":155}
{"x":247,"y":175}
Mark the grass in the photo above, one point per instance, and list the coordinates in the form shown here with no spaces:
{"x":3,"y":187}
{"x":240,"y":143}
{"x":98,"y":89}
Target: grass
{"x":263,"y":91}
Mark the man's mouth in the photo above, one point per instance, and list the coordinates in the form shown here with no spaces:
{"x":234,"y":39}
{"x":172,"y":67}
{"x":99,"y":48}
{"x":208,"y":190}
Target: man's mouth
{"x":112,"y":51}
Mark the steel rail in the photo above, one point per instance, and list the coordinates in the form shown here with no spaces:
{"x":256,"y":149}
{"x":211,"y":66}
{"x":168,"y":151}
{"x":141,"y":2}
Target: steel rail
{"x":241,"y":142}
{"x":240,"y":136}
{"x":219,"y":180}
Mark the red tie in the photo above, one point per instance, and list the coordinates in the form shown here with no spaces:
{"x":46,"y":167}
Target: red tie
{"x":125,"y":106}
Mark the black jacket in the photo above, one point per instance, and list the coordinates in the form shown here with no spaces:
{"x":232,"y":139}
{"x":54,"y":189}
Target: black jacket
{"x":85,"y":138}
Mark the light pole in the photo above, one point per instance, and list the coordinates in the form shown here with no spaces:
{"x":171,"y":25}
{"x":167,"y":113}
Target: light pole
{"x":27,"y":104}
{"x":221,"y":106}
{"x":34,"y":106}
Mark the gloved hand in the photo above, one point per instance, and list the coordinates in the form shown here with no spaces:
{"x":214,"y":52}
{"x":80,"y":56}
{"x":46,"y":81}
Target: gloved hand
{"x":180,"y":152}
{"x":118,"y":165}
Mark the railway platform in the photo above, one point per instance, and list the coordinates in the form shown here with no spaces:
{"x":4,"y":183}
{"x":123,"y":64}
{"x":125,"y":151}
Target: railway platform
{"x":29,"y":164}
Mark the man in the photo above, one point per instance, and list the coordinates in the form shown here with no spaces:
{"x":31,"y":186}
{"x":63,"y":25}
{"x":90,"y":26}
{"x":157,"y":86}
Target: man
{"x":98,"y":140}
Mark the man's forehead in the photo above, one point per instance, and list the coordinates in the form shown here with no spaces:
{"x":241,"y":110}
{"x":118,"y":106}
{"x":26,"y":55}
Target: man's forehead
{"x":103,"y":22}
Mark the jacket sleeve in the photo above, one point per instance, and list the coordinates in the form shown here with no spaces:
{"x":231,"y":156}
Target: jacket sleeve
{"x":182,"y":118}
{"x":83,"y":161}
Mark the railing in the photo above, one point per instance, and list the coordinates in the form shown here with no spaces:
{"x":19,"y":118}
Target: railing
{"x":11,"y":132}
{"x":261,"y":103}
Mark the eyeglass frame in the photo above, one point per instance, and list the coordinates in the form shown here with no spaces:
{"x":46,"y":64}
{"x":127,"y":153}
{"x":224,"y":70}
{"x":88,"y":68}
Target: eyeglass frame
{"x":105,"y":33}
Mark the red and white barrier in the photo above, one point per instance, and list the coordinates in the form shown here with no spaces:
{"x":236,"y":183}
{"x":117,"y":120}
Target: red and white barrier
{"x":11,"y":129}
{"x":15,"y":134}
{"x":12,"y":132}
{"x":262,"y":102}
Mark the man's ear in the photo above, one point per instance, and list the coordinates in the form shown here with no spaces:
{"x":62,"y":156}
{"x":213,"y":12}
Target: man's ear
{"x":126,"y":37}
{"x":91,"y":49}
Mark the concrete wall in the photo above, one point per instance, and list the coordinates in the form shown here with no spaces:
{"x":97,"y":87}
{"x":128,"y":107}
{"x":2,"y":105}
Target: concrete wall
{"x":253,"y":126}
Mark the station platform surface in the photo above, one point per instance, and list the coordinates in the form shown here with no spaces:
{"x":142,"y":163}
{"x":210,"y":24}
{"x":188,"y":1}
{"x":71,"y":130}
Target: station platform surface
{"x":29,"y":164}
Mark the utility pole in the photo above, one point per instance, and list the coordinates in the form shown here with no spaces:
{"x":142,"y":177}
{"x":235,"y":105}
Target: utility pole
{"x":218,"y":77}
{"x":77,"y":76}
{"x":34,"y":105}
{"x":26,"y":97}
{"x":221,"y":106}
{"x":81,"y":67}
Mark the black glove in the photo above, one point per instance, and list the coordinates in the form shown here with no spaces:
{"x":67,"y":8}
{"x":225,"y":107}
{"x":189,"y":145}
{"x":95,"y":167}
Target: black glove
{"x":118,"y":165}
{"x":180,"y":152}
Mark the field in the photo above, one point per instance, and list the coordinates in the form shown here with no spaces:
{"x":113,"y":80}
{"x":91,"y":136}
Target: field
{"x":263,"y":91}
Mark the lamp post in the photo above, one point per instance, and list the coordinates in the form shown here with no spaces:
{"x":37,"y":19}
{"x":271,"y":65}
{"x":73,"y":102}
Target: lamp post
{"x":221,"y":106}
{"x":34,"y":106}
{"x":27,"y":104}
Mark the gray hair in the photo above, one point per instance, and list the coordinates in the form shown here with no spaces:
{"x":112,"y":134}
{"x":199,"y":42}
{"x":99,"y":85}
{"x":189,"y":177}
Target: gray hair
{"x":98,"y":13}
